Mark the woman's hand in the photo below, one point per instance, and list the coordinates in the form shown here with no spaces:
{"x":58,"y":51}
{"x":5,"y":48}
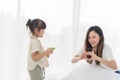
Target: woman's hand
{"x":75,"y":59}
{"x":91,"y":56}
{"x":78,"y":57}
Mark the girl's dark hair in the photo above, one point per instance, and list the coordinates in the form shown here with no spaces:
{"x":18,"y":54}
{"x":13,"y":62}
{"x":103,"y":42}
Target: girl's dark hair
{"x":99,"y":49}
{"x":35,"y":23}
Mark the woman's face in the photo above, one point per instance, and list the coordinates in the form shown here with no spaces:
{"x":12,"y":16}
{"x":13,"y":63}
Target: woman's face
{"x":93,"y":39}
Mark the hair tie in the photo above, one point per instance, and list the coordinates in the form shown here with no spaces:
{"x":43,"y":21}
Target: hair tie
{"x":28,"y":22}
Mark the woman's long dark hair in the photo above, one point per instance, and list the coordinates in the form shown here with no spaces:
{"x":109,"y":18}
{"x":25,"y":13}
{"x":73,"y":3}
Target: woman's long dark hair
{"x":99,"y":49}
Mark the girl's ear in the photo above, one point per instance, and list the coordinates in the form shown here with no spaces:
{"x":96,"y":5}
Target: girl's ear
{"x":36,"y":30}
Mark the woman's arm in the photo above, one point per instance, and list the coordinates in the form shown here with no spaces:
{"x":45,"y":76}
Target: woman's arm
{"x":76,"y":58}
{"x":110,"y":63}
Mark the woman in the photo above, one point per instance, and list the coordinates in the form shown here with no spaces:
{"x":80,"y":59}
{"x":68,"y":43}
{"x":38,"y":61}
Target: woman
{"x":98,"y":55}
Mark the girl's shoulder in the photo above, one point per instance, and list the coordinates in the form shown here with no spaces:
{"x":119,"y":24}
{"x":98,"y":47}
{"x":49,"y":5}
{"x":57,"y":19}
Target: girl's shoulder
{"x":35,"y":40}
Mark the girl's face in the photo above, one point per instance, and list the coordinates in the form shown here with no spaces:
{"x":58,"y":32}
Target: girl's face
{"x":40,"y":33}
{"x":93,"y":39}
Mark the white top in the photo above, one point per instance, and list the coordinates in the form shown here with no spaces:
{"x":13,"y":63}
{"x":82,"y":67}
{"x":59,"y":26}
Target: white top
{"x":107,"y":54}
{"x":92,"y":71}
{"x":35,"y":45}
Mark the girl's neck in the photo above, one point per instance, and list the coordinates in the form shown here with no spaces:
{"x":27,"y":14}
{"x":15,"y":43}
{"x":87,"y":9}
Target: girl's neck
{"x":35,"y":35}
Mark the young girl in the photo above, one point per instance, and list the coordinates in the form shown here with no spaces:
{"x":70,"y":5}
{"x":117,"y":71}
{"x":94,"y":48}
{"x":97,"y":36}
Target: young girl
{"x":37,"y":56}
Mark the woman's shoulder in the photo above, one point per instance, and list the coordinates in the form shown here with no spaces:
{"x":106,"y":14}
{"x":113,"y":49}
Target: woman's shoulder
{"x":106,"y":46}
{"x":107,"y":49}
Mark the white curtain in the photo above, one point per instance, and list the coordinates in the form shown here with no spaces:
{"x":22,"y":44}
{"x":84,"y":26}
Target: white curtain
{"x":14,"y":36}
{"x":104,"y":13}
{"x":67,"y":22}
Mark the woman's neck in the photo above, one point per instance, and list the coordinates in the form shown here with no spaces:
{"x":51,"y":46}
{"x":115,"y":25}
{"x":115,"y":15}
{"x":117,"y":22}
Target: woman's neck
{"x":94,"y":49}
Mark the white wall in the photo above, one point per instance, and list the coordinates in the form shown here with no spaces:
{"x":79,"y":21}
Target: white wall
{"x":59,"y":16}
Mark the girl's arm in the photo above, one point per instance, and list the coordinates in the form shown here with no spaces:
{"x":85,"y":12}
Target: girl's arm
{"x":36,"y":56}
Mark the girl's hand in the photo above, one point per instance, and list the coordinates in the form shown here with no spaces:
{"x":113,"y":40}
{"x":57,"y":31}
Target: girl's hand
{"x":49,"y":51}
